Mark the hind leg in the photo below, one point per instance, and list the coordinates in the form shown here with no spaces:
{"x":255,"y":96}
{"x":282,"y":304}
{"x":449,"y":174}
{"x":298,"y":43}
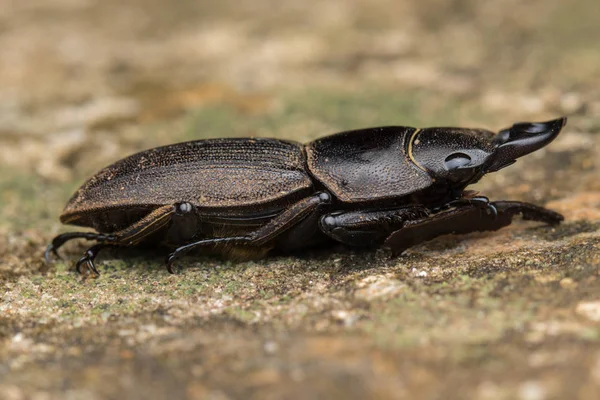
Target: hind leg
{"x":60,"y":240}
{"x":130,"y":236}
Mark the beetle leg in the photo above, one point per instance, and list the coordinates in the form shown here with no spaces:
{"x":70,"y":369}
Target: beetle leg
{"x":530,"y":212}
{"x":288,"y":218}
{"x":130,"y":236}
{"x":60,"y":240}
{"x":481,"y":202}
{"x":151,"y":223}
{"x":367,"y":228}
{"x":89,"y":256}
{"x":466,"y":219}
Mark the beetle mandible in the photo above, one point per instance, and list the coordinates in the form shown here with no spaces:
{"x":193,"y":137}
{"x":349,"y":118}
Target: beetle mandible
{"x":391,"y":186}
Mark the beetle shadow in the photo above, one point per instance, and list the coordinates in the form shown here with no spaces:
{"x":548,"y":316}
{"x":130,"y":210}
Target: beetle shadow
{"x":452,"y":242}
{"x":142,"y":260}
{"x":340,"y":259}
{"x":562,"y":231}
{"x":335,"y":258}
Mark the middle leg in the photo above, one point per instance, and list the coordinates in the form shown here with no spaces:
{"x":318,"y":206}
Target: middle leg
{"x":264,"y":234}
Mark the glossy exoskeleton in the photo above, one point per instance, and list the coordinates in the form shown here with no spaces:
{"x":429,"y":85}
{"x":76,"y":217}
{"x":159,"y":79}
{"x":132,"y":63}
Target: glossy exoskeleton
{"x":240,"y":198}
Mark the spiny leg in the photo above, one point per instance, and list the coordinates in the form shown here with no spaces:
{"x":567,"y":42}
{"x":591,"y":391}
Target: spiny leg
{"x":135,"y":233}
{"x":182,"y":250}
{"x":466,"y":219}
{"x":291,"y":216}
{"x":130,"y":236}
{"x":367,"y":228}
{"x":61,"y":239}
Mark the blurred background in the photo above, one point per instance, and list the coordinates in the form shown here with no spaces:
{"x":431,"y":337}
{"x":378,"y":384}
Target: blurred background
{"x":84,"y":83}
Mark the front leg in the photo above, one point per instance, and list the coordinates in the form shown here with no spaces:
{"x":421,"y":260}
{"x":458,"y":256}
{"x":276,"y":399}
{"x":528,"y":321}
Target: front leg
{"x":368,"y":228}
{"x":466,"y":219}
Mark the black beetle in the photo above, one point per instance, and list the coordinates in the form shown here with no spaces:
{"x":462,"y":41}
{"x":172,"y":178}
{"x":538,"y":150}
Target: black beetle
{"x":240,"y":198}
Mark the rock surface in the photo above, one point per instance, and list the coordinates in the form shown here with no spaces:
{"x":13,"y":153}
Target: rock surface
{"x":503,"y":315}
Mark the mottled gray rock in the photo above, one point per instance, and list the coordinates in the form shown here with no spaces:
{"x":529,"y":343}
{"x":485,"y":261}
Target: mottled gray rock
{"x":501,"y":315}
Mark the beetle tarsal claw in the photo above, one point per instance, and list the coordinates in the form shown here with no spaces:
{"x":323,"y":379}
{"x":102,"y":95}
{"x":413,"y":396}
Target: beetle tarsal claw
{"x":89,"y":262}
{"x":53,"y":250}
{"x":493,"y":210}
{"x":170,"y":261}
{"x":88,"y":258}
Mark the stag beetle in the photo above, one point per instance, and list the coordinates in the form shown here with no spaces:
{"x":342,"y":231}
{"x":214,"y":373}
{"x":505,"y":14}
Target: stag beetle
{"x":240,"y":198}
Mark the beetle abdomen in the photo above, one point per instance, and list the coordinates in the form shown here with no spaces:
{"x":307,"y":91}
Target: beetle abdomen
{"x":367,"y":164}
{"x":214,"y":173}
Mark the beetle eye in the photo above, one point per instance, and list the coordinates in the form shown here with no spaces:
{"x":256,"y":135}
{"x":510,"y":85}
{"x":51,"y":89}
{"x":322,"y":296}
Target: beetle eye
{"x":457,"y":160}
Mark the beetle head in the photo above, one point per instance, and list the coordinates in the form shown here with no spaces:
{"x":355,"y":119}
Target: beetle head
{"x":462,"y":156}
{"x":521,"y":139}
